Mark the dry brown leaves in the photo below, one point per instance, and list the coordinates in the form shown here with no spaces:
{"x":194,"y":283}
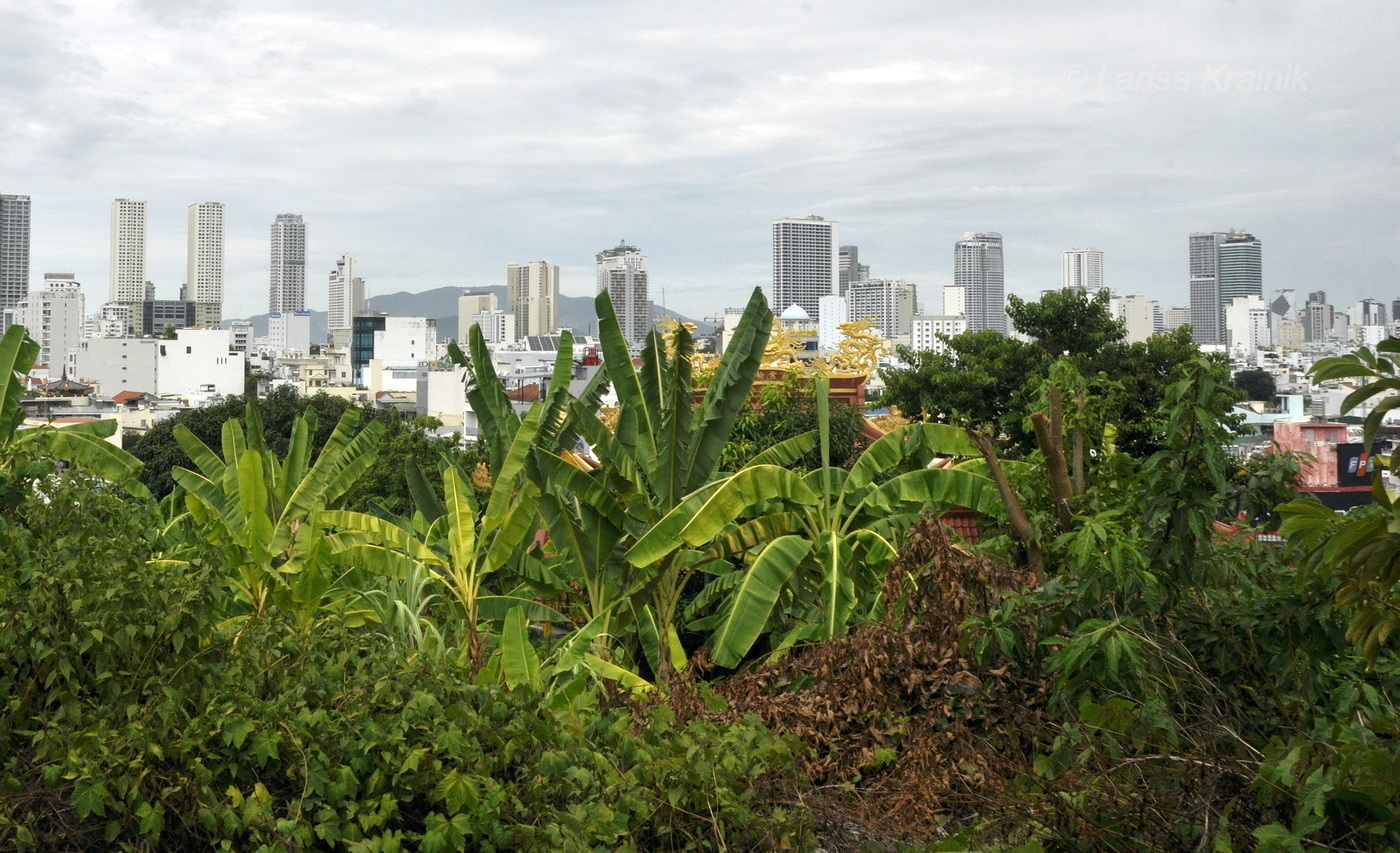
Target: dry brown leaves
{"x":902,"y":726}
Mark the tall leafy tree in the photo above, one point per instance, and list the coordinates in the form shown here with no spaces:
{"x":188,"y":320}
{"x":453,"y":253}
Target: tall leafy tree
{"x":1256,"y":383}
{"x":1066,"y":322}
{"x":990,"y":381}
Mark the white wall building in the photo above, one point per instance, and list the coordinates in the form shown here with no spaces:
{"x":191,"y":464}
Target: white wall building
{"x":1139,"y":316}
{"x":127,"y":263}
{"x":204,"y":264}
{"x":289,"y":334}
{"x":113,"y":320}
{"x":240,"y":335}
{"x":889,"y":302}
{"x":954,"y":299}
{"x":497,"y":327}
{"x":470,"y":304}
{"x":55,"y":317}
{"x":405,"y":341}
{"x":1247,"y":325}
{"x":115,"y":364}
{"x":199,"y":364}
{"x":347,"y":299}
{"x":833,"y":311}
{"x":1081,"y":270}
{"x":925,"y":329}
{"x":442,"y":394}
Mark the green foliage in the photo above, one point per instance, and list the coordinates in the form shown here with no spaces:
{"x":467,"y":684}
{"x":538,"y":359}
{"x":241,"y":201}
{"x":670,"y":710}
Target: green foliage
{"x":28,"y":457}
{"x":987,"y":379}
{"x":132,"y":722}
{"x":1265,"y":482}
{"x":812,"y":547}
{"x":382,"y":487}
{"x":1066,"y":322}
{"x":981,"y":378}
{"x":257,"y":517}
{"x":1187,"y":480}
{"x":1256,"y":383}
{"x":1360,"y":552}
{"x":785,"y":411}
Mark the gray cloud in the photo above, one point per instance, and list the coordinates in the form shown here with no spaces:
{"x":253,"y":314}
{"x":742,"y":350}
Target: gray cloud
{"x":440,"y":141}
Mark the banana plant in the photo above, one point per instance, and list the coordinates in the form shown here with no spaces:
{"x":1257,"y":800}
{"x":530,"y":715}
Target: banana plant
{"x":815,"y":546}
{"x":82,"y":447}
{"x":261,"y":515}
{"x":462,"y":544}
{"x":662,"y":448}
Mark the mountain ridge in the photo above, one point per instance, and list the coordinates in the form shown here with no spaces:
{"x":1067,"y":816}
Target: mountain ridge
{"x":440,"y":303}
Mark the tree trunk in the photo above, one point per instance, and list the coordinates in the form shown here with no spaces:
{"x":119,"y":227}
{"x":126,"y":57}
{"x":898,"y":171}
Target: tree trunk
{"x":1021,"y":527}
{"x":1061,"y":492}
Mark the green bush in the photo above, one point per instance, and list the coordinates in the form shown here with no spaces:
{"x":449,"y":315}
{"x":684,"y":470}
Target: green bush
{"x":131,"y":721}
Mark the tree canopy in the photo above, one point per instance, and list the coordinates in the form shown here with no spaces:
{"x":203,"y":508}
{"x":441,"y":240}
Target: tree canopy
{"x":987,"y":379}
{"x":1257,"y":384}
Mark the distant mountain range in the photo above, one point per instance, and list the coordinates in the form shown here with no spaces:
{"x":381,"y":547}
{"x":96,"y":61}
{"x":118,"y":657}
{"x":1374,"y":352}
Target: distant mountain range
{"x":575,"y":312}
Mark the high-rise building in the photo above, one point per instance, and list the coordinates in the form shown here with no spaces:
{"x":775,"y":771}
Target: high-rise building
{"x":1081,"y":270}
{"x":14,"y":250}
{"x":1367,"y":312}
{"x":927,"y":331}
{"x":204,"y":265}
{"x":1241,"y":268}
{"x":1139,"y":315}
{"x":157,"y":315}
{"x":806,"y":263}
{"x":54,"y":316}
{"x":1224,"y":266}
{"x":128,"y":259}
{"x":1176,"y":317}
{"x":850,"y":270}
{"x":532,"y":295}
{"x":977,"y":269}
{"x":287,"y":291}
{"x":889,"y":302}
{"x":1247,"y":325}
{"x":622,"y":272}
{"x":1317,"y":317}
{"x":469,"y":305}
{"x":954,"y":300}
{"x":834,"y":312}
{"x":347,"y":300}
{"x":1207,"y":316}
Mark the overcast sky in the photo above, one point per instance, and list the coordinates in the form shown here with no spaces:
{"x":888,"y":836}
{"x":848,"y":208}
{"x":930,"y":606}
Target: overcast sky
{"x":439,"y":141}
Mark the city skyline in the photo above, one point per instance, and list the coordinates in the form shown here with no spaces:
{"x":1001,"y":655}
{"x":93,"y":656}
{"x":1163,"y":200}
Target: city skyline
{"x":435,"y":167}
